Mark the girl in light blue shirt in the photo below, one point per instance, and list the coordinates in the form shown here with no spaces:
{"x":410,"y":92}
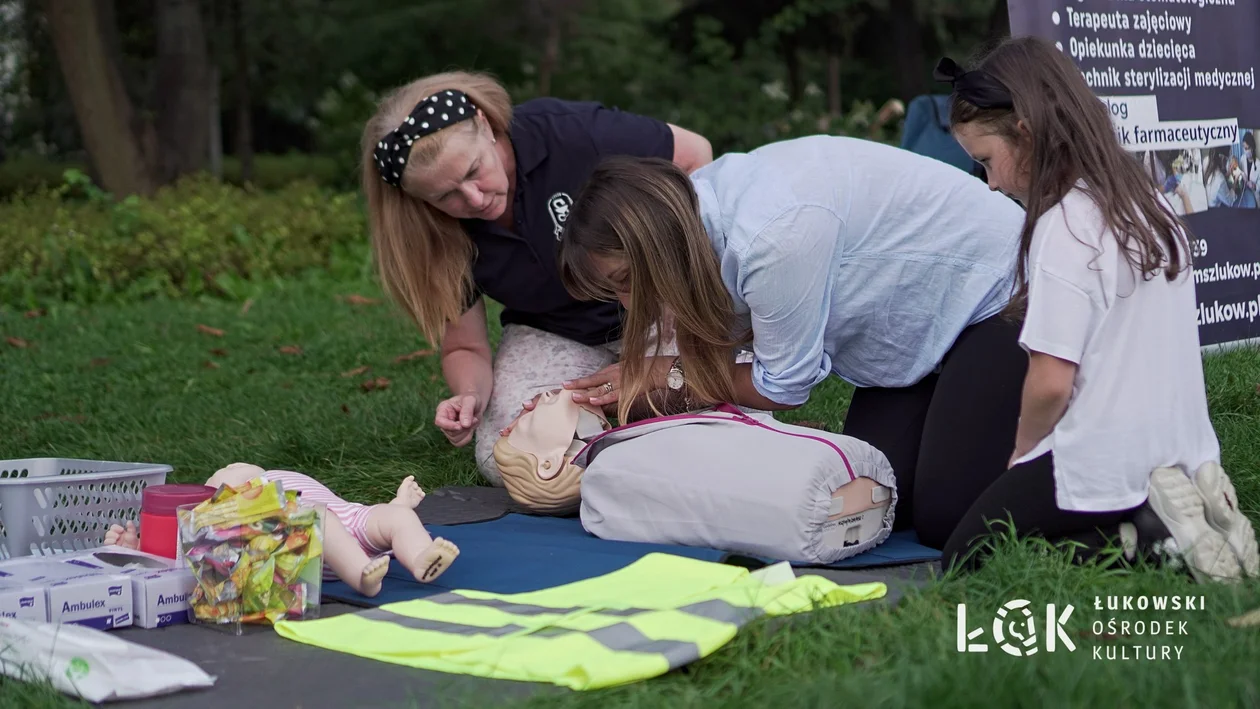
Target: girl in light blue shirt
{"x":824,"y":256}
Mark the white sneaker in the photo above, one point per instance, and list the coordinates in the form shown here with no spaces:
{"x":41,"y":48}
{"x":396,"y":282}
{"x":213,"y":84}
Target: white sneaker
{"x":1129,"y":540}
{"x":1221,"y":508}
{"x":1179,"y":505}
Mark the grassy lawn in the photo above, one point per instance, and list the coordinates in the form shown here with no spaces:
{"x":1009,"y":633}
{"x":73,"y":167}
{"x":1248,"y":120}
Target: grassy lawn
{"x":281,"y":383}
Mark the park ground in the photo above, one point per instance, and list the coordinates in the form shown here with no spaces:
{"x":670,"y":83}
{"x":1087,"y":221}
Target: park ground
{"x":324,"y":376}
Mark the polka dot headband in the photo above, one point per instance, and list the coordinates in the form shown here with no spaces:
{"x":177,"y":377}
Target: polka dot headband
{"x":431,"y":115}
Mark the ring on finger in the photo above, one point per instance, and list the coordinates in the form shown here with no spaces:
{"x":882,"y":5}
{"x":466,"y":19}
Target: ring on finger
{"x":607,"y":388}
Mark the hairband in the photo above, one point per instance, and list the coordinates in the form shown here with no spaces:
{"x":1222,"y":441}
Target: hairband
{"x":977,"y":87}
{"x":431,"y":115}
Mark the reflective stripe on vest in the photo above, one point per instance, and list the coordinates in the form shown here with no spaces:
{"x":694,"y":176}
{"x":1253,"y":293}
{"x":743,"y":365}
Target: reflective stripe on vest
{"x":657,"y":614}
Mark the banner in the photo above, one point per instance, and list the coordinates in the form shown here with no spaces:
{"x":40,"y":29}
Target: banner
{"x":1179,"y":77}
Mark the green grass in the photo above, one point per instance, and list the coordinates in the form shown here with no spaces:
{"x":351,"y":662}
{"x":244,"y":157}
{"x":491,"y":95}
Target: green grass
{"x":41,"y":695}
{"x":132,"y":383}
{"x":146,"y":383}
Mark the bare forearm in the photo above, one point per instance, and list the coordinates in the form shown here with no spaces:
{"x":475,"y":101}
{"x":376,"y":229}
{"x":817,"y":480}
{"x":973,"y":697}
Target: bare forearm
{"x":671,"y":402}
{"x":747,"y":395}
{"x":667,"y":403}
{"x":469,"y":371}
{"x":1042,"y":407}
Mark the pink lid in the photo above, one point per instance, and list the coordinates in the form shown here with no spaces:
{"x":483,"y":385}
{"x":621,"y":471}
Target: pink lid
{"x":163,"y":499}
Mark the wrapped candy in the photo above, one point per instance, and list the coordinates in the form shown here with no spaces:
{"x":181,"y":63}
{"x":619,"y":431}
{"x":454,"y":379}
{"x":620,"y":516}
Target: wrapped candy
{"x":257,"y":555}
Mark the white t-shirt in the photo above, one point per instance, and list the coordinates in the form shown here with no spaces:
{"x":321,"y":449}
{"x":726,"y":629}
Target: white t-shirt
{"x":1139,"y":401}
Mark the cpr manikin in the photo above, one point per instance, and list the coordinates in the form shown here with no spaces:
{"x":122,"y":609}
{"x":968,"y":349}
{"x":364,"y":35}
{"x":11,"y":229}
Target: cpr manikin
{"x":358,"y":539}
{"x":535,"y":457}
{"x":857,"y":512}
{"x":739,"y":481}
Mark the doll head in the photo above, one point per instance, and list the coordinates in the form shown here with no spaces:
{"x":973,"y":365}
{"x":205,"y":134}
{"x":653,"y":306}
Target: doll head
{"x":534,"y":458}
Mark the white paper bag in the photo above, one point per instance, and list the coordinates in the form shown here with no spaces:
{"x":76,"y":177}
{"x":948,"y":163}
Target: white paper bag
{"x":92,"y":664}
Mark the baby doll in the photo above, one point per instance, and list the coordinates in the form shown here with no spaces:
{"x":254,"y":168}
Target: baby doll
{"x":358,"y":539}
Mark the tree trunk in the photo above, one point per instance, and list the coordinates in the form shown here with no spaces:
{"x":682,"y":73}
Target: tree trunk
{"x":553,"y":17}
{"x":999,"y":21}
{"x":551,"y":53}
{"x":216,"y":127}
{"x":907,"y":45}
{"x":183,"y":89}
{"x":795,"y":78}
{"x":106,"y":118}
{"x":835,"y":27}
{"x":244,"y":119}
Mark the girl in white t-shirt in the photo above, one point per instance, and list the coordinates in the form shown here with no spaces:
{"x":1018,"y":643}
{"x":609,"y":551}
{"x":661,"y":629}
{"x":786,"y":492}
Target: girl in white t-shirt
{"x":1114,"y":439}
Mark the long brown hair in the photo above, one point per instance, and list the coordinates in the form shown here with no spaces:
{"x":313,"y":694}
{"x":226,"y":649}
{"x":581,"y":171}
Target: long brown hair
{"x":1070,"y":138}
{"x":422,"y":254}
{"x":645,"y":210}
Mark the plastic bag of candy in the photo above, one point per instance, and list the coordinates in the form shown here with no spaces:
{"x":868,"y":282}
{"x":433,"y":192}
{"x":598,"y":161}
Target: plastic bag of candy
{"x":257,"y":555}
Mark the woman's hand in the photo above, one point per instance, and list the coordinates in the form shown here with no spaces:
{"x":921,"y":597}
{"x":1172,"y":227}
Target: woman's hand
{"x":598,"y":389}
{"x":603,"y":388}
{"x":458,"y":417}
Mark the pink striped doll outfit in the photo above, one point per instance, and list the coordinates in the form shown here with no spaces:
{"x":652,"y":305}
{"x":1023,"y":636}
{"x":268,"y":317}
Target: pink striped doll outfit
{"x":353,"y":515}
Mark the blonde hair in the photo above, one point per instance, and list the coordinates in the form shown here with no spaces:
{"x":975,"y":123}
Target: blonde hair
{"x":644,"y":210}
{"x":422,"y":254}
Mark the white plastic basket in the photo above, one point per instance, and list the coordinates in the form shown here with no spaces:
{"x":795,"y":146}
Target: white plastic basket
{"x":54,"y":505}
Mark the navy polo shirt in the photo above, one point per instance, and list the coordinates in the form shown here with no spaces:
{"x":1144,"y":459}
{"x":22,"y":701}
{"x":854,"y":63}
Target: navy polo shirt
{"x":558,"y":144}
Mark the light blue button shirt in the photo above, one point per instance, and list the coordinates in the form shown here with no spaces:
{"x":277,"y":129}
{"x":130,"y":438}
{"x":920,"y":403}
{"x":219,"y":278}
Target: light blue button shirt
{"x":856,"y":258}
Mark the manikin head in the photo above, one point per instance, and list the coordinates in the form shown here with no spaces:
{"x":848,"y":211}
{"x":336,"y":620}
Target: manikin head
{"x":535,"y":457}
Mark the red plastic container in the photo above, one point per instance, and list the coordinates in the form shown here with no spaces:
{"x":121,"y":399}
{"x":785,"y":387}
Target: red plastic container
{"x":158,"y":524}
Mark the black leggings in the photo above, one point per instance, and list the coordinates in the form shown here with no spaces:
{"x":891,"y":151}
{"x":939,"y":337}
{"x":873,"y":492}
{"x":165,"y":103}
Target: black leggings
{"x":949,"y":439}
{"x":1024,"y":498}
{"x":950,"y":436}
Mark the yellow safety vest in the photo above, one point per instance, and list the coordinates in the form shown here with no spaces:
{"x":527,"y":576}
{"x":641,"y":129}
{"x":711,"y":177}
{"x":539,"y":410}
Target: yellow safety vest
{"x":659,"y":613}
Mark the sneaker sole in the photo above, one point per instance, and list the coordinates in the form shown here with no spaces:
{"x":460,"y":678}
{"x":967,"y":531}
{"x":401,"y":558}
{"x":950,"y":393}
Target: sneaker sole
{"x":1221,"y":510}
{"x":1180,"y":507}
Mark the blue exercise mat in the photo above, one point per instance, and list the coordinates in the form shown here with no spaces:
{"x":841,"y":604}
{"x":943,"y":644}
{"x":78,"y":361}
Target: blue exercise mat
{"x":518,"y":553}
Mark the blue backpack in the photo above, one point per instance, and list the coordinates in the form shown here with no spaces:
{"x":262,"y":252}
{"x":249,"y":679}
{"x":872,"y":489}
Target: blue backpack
{"x":926,"y":132}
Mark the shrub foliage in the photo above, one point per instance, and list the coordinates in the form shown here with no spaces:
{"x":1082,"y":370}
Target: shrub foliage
{"x":75,"y":243}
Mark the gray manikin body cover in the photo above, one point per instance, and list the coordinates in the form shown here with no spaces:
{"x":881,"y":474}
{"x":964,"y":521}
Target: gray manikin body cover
{"x":727,"y":479}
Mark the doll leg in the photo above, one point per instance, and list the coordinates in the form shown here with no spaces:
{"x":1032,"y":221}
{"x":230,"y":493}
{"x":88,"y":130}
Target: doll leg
{"x":398,"y":528}
{"x":409,"y":494}
{"x":348,"y":561}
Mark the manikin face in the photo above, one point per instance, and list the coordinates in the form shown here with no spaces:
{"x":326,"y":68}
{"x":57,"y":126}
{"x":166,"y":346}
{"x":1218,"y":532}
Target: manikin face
{"x":468,"y":179}
{"x":1001,"y":160}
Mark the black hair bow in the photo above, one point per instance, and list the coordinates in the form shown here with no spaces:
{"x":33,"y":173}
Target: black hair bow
{"x":431,"y":115}
{"x":977,"y":87}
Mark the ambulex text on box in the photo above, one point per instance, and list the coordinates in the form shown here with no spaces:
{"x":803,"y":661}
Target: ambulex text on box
{"x":72,"y":594}
{"x":161,"y":590}
{"x":107,"y":587}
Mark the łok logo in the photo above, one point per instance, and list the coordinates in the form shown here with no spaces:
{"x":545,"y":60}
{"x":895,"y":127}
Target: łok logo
{"x":1015,"y":629}
{"x":559,"y":206}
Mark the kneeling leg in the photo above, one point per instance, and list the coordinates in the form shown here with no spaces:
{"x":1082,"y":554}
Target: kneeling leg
{"x":1022,"y":502}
